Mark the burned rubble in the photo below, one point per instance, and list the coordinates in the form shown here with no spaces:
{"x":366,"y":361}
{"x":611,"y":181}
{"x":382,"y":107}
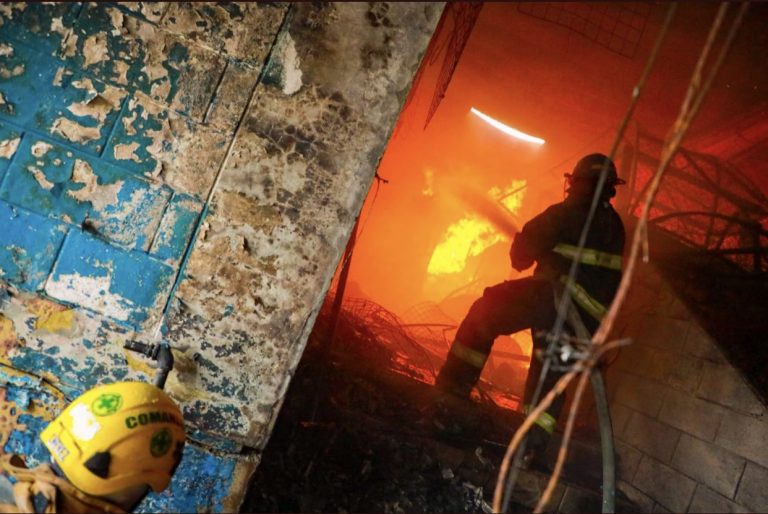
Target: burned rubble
{"x":361,"y":430}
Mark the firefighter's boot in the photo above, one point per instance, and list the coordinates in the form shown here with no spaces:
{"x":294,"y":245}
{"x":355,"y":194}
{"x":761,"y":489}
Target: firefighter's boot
{"x":461,"y":370}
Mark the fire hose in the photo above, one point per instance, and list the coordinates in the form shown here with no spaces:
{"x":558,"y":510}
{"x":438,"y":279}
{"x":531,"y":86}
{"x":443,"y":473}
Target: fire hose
{"x":564,"y":352}
{"x":606,"y":441}
{"x":603,"y":413}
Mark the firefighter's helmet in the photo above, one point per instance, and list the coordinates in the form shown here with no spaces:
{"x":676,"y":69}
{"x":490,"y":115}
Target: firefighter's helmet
{"x":588,"y":170}
{"x":117,"y":436}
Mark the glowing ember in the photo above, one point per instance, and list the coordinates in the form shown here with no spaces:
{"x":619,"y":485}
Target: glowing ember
{"x":472,"y":235}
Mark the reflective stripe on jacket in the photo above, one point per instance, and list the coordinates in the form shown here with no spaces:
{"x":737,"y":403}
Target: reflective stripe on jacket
{"x":590,"y":256}
{"x":545,"y":420}
{"x":551,"y":240}
{"x":583,"y":299}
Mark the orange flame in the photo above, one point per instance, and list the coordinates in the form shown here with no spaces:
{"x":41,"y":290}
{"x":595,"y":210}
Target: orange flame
{"x":477,"y":231}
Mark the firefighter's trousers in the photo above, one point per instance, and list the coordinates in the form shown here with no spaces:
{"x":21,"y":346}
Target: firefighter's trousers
{"x":503,"y":309}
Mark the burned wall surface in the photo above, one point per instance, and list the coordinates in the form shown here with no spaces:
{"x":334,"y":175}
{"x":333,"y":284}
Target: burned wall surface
{"x":300,"y":167}
{"x":118,"y":124}
{"x":690,"y":433}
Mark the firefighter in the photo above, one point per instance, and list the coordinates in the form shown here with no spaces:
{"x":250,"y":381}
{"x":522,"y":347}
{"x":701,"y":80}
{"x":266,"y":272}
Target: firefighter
{"x":550,"y":240}
{"x":108,"y":448}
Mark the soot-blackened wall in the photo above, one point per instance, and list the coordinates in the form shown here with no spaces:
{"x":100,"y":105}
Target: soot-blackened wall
{"x":118,"y":124}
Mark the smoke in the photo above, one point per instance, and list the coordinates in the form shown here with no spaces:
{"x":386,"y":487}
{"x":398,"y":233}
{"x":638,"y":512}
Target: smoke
{"x":492,"y":210}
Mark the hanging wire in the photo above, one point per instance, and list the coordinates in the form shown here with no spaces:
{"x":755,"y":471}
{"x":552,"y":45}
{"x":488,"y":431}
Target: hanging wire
{"x":694,"y":97}
{"x":379,"y":180}
{"x":680,"y":128}
{"x":501,"y":501}
{"x":682,"y":123}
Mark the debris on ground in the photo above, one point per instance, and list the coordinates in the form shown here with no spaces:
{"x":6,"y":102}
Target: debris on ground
{"x":364,"y":429}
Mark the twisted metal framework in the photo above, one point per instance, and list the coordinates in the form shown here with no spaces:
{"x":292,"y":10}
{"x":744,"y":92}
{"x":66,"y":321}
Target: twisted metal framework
{"x":698,"y":88}
{"x":414,"y":345}
{"x":707,"y":203}
{"x":410,"y":349}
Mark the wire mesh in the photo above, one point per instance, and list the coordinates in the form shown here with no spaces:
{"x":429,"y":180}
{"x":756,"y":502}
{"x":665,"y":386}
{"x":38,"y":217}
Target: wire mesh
{"x":706,"y":202}
{"x":617,"y":27}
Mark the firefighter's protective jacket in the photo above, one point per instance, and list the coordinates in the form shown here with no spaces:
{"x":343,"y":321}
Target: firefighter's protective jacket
{"x":551,"y":239}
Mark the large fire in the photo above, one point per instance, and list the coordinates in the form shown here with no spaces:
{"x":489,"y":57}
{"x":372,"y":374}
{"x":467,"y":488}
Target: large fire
{"x":473,"y":234}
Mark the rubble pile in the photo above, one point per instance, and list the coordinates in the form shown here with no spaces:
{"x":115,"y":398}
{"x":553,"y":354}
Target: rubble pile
{"x":358,"y":432}
{"x":363,"y":429}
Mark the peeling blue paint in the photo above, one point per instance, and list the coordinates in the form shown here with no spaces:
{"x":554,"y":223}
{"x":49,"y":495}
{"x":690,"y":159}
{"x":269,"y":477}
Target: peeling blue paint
{"x":133,"y":220}
{"x":40,"y":92}
{"x":94,"y":22}
{"x":27,"y":381}
{"x":8,"y":140}
{"x":81,"y":99}
{"x":30,"y":243}
{"x":136,"y":130}
{"x":22,"y":185}
{"x":43,"y":178}
{"x":25,"y":442}
{"x":40,"y":25}
{"x":177,"y":57}
{"x":52,"y":351}
{"x":25,"y":79}
{"x":176,"y":228}
{"x":23,"y":438}
{"x":205,"y":480}
{"x":19,"y":396}
{"x":68,"y":371}
{"x":126,"y":58}
{"x":126,"y":286}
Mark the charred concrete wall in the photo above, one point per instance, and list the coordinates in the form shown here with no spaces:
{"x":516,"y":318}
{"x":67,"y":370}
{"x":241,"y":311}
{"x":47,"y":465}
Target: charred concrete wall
{"x":690,"y":434}
{"x":194,"y":168}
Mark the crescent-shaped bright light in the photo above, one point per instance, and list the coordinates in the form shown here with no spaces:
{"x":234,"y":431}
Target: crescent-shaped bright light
{"x":506,"y":129}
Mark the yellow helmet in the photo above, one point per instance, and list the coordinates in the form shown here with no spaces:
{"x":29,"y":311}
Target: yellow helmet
{"x":116,"y":436}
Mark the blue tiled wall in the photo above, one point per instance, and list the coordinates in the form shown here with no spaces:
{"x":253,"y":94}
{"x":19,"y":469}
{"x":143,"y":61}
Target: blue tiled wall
{"x":105,"y":163}
{"x":77,"y":161}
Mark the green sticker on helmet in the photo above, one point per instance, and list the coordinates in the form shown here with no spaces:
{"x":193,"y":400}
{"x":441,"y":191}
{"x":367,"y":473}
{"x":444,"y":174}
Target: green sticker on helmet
{"x":161,"y":442}
{"x":106,"y":404}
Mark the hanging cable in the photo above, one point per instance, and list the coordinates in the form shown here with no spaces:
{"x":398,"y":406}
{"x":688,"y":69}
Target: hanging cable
{"x":379,"y":180}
